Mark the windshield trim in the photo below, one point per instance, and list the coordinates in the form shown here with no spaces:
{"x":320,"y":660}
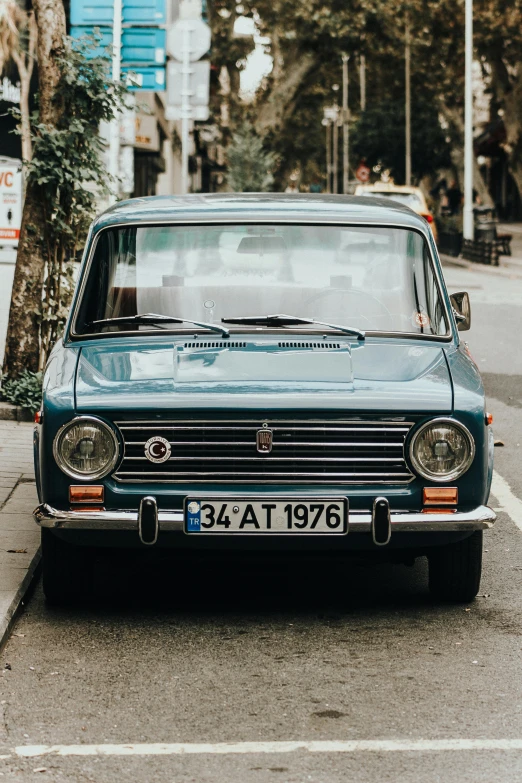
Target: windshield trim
{"x":70,"y":335}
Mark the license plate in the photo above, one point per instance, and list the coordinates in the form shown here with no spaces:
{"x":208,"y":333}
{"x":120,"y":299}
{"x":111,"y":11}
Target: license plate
{"x":324,"y":516}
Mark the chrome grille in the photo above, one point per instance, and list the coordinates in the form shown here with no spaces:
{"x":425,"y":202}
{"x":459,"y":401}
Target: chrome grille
{"x":303,"y":452}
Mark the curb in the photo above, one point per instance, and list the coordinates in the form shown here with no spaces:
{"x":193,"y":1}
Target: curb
{"x":10,"y":412}
{"x":9,"y":618}
{"x":510,"y":272}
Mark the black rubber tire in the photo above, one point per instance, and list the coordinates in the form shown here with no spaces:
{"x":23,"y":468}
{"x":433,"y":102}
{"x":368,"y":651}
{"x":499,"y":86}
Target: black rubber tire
{"x":455,"y":570}
{"x":66,"y":570}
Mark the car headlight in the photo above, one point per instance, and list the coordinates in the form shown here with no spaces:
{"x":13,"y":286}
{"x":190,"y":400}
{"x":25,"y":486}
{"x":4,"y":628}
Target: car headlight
{"x":442,"y":450}
{"x":86,"y":448}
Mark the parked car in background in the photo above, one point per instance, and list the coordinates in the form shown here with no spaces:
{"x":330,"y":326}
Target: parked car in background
{"x":264,"y":373}
{"x":410,"y":196}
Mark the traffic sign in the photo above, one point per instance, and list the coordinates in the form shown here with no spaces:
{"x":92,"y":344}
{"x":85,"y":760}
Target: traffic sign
{"x":101,"y":12}
{"x":194,"y":33}
{"x":10,"y":200}
{"x":198,"y":113}
{"x":362,"y":172}
{"x":150,"y":79}
{"x":140,"y":45}
{"x":199,"y":83}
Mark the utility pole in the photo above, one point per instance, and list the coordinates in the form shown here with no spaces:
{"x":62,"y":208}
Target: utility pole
{"x":114,"y":126}
{"x":185,"y":109}
{"x":346,"y":128}
{"x":468,"y":125}
{"x":407,"y":58}
{"x":335,"y":142}
{"x":362,"y":81}
{"x":326,"y":125}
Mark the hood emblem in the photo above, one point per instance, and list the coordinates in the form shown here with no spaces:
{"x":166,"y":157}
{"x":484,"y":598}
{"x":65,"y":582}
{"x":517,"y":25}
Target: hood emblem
{"x":264,"y":440}
{"x":157,"y":449}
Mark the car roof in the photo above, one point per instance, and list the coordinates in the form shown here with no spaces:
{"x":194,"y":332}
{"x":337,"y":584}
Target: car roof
{"x":266,"y":207}
{"x":385,"y":187}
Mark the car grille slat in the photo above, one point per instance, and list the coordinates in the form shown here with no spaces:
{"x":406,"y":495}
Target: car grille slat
{"x":303,"y":452}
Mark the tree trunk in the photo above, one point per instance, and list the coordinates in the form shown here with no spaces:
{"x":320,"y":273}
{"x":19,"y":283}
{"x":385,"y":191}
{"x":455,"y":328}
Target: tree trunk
{"x":25,"y":64}
{"x":511,"y":100}
{"x":23,"y":344}
{"x":456,"y":122}
{"x":280,"y":100}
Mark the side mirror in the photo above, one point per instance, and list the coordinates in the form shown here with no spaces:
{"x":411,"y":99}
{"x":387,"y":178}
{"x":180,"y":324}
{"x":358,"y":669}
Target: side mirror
{"x":461,"y":310}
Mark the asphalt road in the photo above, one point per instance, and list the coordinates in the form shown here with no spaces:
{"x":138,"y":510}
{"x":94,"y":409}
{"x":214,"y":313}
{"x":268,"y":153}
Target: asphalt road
{"x":308,"y":653}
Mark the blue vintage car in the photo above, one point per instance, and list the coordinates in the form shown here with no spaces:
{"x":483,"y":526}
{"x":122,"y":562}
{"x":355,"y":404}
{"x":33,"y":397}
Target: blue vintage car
{"x":262,"y":372}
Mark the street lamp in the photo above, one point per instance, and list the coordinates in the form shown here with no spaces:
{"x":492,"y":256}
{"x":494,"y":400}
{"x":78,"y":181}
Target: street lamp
{"x":468,"y":124}
{"x":335,"y":88}
{"x":326,"y":124}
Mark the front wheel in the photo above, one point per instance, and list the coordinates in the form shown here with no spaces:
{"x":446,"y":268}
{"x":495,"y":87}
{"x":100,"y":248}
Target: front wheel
{"x":66,"y":570}
{"x":455,"y":570}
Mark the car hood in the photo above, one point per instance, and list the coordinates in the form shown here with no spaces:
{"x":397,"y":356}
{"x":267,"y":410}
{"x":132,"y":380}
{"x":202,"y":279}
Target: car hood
{"x":384,"y":375}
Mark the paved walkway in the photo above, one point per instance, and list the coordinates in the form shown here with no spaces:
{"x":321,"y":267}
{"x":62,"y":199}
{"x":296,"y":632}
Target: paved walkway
{"x":19,"y":536}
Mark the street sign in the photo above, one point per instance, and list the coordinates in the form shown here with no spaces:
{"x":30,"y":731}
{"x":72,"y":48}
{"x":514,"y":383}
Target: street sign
{"x":150,"y":79}
{"x":362,"y":172}
{"x":10,"y":201}
{"x":144,"y":12}
{"x":101,"y":12}
{"x":143,"y":46}
{"x":139,"y":45}
{"x":193,"y":32}
{"x":198,"y":113}
{"x":199,"y":83}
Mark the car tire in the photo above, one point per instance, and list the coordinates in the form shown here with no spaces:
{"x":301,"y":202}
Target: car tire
{"x":455,"y":570}
{"x":66,"y":570}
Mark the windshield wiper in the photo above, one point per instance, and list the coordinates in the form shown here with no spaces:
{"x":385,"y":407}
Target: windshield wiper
{"x":290,"y":320}
{"x":155,"y":318}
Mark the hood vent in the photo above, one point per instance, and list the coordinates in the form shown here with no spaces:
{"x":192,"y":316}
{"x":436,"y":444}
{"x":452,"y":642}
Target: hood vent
{"x":314,"y":346}
{"x":223,"y":344}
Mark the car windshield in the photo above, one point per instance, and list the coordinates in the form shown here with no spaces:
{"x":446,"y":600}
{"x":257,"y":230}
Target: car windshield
{"x":411,"y":200}
{"x":372,"y":278}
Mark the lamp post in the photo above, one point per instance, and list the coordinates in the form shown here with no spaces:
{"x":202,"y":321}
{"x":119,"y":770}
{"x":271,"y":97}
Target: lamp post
{"x":326,"y":124}
{"x":335,"y":141}
{"x":346,"y":129}
{"x":407,"y":73}
{"x":468,"y":124}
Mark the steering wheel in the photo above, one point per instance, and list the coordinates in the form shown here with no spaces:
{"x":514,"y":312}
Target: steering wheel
{"x":375,"y":310}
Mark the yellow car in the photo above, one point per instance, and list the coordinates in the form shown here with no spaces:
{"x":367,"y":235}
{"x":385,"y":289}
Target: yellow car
{"x":408,"y":195}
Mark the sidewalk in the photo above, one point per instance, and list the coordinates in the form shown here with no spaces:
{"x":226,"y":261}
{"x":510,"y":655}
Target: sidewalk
{"x":509,"y":266}
{"x":19,"y":535}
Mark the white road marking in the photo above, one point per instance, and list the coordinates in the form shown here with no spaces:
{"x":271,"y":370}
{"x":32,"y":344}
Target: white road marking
{"x":314,"y":746}
{"x":507,"y":500}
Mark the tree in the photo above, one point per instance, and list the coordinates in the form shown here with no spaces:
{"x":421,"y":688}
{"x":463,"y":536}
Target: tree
{"x":498,"y":38}
{"x":23,"y":344}
{"x":68,"y":175}
{"x":18,"y":36}
{"x":378,"y":136}
{"x":249,"y":165}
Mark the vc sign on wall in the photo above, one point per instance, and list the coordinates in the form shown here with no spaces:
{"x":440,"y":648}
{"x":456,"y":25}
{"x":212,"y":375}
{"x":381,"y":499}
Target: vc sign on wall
{"x":10,"y":201}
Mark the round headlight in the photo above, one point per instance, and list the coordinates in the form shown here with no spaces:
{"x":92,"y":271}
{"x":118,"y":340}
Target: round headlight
{"x":86,"y":448}
{"x":442,"y":450}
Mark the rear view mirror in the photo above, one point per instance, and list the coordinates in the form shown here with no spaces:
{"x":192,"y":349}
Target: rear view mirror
{"x":461,"y":310}
{"x":261,"y":245}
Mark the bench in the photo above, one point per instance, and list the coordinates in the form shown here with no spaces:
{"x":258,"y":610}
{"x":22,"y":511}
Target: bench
{"x":503,"y":242}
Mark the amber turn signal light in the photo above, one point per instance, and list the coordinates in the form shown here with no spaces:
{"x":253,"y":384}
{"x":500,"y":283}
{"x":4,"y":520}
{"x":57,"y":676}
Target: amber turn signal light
{"x":440,"y":496}
{"x":81,"y":494}
{"x":489,"y":418}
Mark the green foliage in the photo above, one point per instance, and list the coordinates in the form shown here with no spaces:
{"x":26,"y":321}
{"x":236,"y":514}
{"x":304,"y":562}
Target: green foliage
{"x":249,"y":165}
{"x":26,"y":390}
{"x":69,"y":172}
{"x":379,"y":137}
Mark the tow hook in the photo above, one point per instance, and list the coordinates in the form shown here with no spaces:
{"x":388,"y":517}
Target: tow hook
{"x":381,"y":522}
{"x":148,"y":526}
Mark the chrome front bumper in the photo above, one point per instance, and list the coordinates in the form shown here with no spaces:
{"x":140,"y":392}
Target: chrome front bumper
{"x":479,"y":518}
